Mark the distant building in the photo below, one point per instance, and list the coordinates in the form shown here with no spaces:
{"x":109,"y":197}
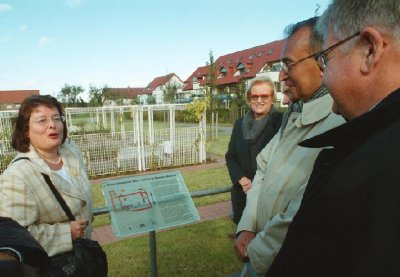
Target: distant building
{"x":242,"y":65}
{"x":230,"y":71}
{"x":127,"y":94}
{"x":155,"y":89}
{"x":194,"y":85}
{"x":12,"y":99}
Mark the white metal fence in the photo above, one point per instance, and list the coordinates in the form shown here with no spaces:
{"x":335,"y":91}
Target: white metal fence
{"x":115,"y":140}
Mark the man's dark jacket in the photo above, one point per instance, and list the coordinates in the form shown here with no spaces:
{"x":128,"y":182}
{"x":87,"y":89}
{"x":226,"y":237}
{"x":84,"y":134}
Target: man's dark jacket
{"x":241,"y":158}
{"x":17,"y":237}
{"x":348,"y":223}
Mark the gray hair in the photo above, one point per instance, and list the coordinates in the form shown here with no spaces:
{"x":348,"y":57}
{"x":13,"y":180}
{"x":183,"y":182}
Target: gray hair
{"x":346,"y":17}
{"x":259,"y":80}
{"x":316,"y":41}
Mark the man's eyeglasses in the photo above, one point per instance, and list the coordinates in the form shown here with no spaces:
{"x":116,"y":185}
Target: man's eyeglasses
{"x":43,"y":121}
{"x":287,"y":65}
{"x":254,"y":97}
{"x":322,"y":56}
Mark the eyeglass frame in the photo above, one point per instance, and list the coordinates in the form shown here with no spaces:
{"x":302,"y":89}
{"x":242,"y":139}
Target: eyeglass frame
{"x":57,"y":119}
{"x":261,"y":96}
{"x":320,"y":57}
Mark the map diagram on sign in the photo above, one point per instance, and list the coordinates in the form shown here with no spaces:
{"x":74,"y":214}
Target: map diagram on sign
{"x":145,"y":203}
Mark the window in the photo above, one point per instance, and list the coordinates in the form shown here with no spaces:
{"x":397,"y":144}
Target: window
{"x":223,"y":71}
{"x":239,"y":69}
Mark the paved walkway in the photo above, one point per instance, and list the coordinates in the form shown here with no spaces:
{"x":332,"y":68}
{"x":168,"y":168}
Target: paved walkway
{"x":105,"y":234}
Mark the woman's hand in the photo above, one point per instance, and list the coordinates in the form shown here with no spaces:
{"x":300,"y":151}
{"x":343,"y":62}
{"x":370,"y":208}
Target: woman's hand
{"x":245,"y":183}
{"x":78,"y":228}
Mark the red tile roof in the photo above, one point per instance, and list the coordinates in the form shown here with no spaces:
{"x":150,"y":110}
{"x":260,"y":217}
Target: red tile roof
{"x":253,"y":60}
{"x":159,"y":81}
{"x":200,"y":74}
{"x":15,"y":96}
{"x":127,"y":93}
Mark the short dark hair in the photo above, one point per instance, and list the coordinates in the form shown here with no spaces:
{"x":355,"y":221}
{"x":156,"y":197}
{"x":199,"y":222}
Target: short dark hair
{"x":316,"y":40}
{"x":20,"y":140}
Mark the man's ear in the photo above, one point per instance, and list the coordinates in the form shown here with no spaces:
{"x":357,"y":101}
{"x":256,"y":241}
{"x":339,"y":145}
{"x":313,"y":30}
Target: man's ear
{"x":372,"y":47}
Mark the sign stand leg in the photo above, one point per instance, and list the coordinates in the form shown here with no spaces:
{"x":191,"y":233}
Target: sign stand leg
{"x":153,"y":253}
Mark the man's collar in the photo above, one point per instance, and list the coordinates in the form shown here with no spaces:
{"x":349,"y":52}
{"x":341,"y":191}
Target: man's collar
{"x":361,"y":127}
{"x":316,"y":109}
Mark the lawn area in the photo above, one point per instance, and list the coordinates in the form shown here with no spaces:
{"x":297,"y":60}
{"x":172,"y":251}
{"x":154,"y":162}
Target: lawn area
{"x":219,"y":146}
{"x":202,"y":249}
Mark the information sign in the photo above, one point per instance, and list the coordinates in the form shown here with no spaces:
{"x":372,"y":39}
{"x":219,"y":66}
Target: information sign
{"x":150,"y":202}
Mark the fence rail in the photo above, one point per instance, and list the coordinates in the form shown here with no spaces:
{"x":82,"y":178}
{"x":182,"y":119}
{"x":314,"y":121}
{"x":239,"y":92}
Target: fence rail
{"x":124,"y":139}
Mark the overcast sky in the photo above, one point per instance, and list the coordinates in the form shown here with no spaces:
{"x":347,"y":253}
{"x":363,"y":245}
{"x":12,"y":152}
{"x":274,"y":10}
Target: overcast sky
{"x":45,"y":44}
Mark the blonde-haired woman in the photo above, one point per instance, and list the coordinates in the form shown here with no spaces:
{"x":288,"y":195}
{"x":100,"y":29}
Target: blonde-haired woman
{"x":249,"y":136}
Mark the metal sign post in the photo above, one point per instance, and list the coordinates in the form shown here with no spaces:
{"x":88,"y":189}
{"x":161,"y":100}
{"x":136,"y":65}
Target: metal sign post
{"x":153,"y":253}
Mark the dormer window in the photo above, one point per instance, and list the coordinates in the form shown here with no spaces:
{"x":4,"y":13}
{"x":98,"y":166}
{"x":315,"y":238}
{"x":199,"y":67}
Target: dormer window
{"x":223,"y":71}
{"x":239,"y":69}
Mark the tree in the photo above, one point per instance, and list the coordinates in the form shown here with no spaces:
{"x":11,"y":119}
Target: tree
{"x":211,"y":81}
{"x":170,"y":91}
{"x":151,"y":100}
{"x":316,"y":11}
{"x":70,"y":95}
{"x":240,"y":93}
{"x":135,"y":101}
{"x":97,"y":96}
{"x":112,"y":96}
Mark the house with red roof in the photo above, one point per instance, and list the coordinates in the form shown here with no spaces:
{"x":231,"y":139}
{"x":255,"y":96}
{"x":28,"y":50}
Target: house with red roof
{"x":159,"y":84}
{"x":230,"y":70}
{"x":127,"y":94}
{"x":194,"y":84}
{"x":241,"y":65}
{"x":12,"y":99}
{"x":155,"y":89}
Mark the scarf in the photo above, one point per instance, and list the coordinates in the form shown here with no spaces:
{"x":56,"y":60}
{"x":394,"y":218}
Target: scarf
{"x":252,"y":128}
{"x":297,"y":107}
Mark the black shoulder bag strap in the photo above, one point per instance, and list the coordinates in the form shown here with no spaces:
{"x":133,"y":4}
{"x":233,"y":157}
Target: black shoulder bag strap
{"x":60,"y":199}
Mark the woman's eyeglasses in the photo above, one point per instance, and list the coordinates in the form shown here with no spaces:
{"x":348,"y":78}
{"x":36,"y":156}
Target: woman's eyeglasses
{"x":43,"y":121}
{"x":263,"y":97}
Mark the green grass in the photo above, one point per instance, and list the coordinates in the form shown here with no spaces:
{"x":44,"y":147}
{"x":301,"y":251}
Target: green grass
{"x":219,"y":146}
{"x":202,"y":249}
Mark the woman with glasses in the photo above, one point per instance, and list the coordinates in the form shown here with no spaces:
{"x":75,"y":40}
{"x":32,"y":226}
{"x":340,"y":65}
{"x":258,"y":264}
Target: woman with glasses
{"x":40,"y":138}
{"x":249,"y":136}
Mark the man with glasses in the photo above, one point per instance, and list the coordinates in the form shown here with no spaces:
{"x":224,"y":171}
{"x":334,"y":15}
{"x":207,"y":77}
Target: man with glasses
{"x":283,"y":167}
{"x":348,"y":222}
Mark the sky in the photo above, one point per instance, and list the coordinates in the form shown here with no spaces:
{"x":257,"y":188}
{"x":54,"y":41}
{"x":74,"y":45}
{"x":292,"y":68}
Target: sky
{"x":45,"y":44}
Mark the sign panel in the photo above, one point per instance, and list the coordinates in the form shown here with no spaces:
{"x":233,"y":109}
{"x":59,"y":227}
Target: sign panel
{"x":150,"y":202}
